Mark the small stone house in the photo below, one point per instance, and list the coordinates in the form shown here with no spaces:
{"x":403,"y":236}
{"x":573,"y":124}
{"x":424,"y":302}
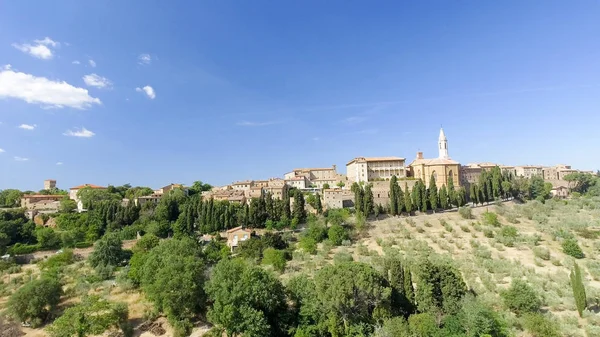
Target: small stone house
{"x":237,"y":235}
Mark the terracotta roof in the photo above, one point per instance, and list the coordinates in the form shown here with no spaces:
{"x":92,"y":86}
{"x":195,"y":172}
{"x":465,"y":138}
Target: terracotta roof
{"x":374,"y":159}
{"x":235,"y":229}
{"x":243,"y":182}
{"x":88,"y":185}
{"x":436,"y":161}
{"x":32,"y":196}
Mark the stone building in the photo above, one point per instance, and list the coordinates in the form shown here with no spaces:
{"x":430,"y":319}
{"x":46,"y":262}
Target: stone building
{"x":41,"y":202}
{"x":337,"y":198}
{"x":74,"y":190}
{"x":49,"y":184}
{"x":529,"y":171}
{"x":364,"y":169}
{"x":443,"y":168}
{"x":313,"y":177}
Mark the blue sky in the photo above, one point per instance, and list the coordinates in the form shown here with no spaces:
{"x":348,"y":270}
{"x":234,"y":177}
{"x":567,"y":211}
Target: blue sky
{"x":253,"y":89}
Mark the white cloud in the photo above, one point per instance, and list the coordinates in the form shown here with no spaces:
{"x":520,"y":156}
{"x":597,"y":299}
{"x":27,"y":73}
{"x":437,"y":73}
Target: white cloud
{"x":249,"y":123}
{"x":144,"y":59}
{"x":148,"y":90}
{"x":92,"y":63}
{"x":17,"y":158}
{"x":40,"y":90}
{"x":83,"y":132}
{"x":2,"y":150}
{"x":93,"y":80}
{"x":59,"y":163}
{"x":27,"y":126}
{"x":76,"y":62}
{"x":41,"y":49}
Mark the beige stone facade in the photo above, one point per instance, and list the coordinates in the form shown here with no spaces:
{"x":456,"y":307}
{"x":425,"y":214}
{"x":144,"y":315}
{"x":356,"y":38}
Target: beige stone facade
{"x":237,"y":235}
{"x":168,"y":188}
{"x":529,"y":171}
{"x":153,"y":198}
{"x":469,"y":174}
{"x":49,"y":184}
{"x":560,"y":192}
{"x":442,"y":168}
{"x":314,"y":177}
{"x":365,"y":169}
{"x":337,"y":198}
{"x":41,"y":202}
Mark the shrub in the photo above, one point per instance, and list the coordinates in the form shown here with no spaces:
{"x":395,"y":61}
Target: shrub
{"x":59,"y":260}
{"x":21,"y":249}
{"x":448,"y":227}
{"x":411,"y":222}
{"x":521,"y":298}
{"x":420,"y":229}
{"x":571,"y":247}
{"x":465,"y":228}
{"x":36,"y":300}
{"x":539,"y":325}
{"x":488,"y":233}
{"x":337,"y":234}
{"x":541,"y":252}
{"x":465,"y":212}
{"x":274,"y":257}
{"x":491,"y":218}
{"x":427,"y":224}
{"x":308,"y":244}
{"x":84,"y":244}
{"x":508,"y":236}
{"x":342,"y":257}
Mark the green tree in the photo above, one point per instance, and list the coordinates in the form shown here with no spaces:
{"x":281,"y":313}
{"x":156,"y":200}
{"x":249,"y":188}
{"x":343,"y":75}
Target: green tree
{"x":440,"y":286}
{"x":198,"y":187}
{"x":424,"y":197}
{"x":571,"y":247}
{"x":36,"y":300}
{"x":146,"y":243}
{"x":299,"y":212}
{"x":47,"y":238}
{"x":10,"y":198}
{"x":578,"y":289}
{"x":451,"y":193}
{"x":351,"y":293}
{"x":477,"y":319}
{"x":275,"y":258}
{"x":92,"y":316}
{"x":246,"y":300}
{"x":358,"y":197}
{"x":337,"y":234}
{"x":416,"y":196}
{"x":432,"y":193}
{"x":409,"y":290}
{"x":340,"y":184}
{"x":520,"y":298}
{"x":369,"y":204}
{"x":172,"y":276}
{"x":319,"y":205}
{"x":473,"y":194}
{"x":408,"y":205}
{"x":107,"y":251}
{"x":326,"y":186}
{"x":443,"y":197}
{"x":423,"y":325}
{"x":393,"y":194}
{"x":539,"y":325}
{"x":67,"y":205}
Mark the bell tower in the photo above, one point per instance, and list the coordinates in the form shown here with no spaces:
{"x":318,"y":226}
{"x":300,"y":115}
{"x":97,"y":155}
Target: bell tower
{"x":443,"y":145}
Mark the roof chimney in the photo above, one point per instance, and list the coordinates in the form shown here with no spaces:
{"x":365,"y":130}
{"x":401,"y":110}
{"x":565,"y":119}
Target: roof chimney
{"x":419,"y":155}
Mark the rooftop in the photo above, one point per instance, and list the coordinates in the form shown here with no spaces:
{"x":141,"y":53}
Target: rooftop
{"x":88,"y":185}
{"x":27,"y":196}
{"x":375,"y":159}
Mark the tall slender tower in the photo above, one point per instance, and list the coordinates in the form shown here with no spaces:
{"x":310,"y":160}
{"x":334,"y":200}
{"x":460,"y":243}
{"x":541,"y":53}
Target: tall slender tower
{"x":443,"y":145}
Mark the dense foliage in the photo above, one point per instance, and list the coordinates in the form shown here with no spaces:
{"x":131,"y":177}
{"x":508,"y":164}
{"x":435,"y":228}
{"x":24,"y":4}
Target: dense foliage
{"x":36,"y":300}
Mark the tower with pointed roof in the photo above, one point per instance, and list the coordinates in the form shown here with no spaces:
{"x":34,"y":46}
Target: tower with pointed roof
{"x":443,"y":145}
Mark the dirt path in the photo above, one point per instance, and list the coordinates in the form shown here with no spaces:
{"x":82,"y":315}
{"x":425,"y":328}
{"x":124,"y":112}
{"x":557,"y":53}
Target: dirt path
{"x":85,"y":252}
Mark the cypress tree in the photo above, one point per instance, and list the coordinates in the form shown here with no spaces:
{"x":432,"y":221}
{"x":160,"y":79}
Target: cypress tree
{"x":393,"y":196}
{"x":443,"y":197}
{"x":400,"y":199}
{"x":473,"y":194}
{"x":433,"y":193}
{"x":409,"y":291}
{"x":318,"y":204}
{"x":368,"y":202}
{"x":578,"y":289}
{"x":424,"y":201}
{"x":451,"y":192}
{"x":416,"y":195}
{"x":408,"y":205}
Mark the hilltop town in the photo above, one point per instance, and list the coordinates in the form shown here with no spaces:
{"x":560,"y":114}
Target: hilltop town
{"x":418,"y":250}
{"x":332,"y":186}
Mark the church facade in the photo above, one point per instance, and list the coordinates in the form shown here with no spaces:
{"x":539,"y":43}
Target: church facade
{"x":443,"y":168}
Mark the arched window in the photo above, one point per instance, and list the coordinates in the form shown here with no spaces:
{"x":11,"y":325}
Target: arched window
{"x":450,"y":177}
{"x":434,"y":175}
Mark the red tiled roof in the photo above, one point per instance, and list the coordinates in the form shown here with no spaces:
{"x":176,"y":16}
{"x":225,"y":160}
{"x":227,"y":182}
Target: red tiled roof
{"x":88,"y":185}
{"x":26,"y":196}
